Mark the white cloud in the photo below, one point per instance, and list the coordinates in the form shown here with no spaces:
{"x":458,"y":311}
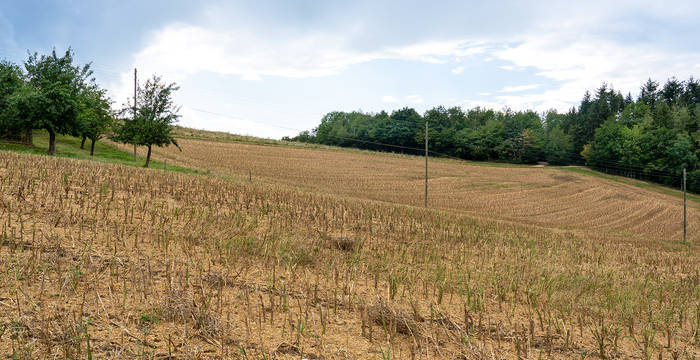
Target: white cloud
{"x":578,"y":62}
{"x":179,"y":51}
{"x":569,"y":58}
{"x":185,"y":49}
{"x":234,"y":124}
{"x":519,"y":88}
{"x":416,"y":99}
{"x":470,"y":104}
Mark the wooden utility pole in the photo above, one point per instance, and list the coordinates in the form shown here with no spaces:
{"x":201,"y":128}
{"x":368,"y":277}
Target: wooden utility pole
{"x":135,"y":86}
{"x":684,"y":208}
{"x":426,"y":163}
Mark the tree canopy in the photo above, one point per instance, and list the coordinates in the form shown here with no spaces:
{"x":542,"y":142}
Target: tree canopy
{"x":96,"y":115}
{"x":52,"y":93}
{"x":153,"y":117}
{"x":57,"y":85}
{"x":652,"y":137}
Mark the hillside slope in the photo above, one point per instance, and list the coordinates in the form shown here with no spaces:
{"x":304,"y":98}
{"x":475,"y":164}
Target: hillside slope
{"x":109,"y":261}
{"x":551,"y":197}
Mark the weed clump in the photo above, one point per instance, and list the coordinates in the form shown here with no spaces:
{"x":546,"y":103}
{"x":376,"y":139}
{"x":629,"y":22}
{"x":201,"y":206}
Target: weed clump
{"x":394,"y":320}
{"x":344,"y":243}
{"x":180,"y":306}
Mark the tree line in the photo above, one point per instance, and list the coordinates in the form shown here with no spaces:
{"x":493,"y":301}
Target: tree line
{"x":51,"y":92}
{"x":652,"y":137}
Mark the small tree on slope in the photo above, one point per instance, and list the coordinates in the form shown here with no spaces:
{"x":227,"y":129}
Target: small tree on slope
{"x":156,"y":115}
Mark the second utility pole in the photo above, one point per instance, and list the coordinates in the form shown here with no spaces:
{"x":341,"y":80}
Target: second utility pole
{"x":426,"y":163}
{"x":135,"y":85}
{"x":685,"y":223}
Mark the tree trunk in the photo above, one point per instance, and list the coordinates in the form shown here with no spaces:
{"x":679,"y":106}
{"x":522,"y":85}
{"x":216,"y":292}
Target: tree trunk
{"x":134,"y":152}
{"x":92,"y":147}
{"x":52,"y":142}
{"x":28,"y":137}
{"x":82,"y":143}
{"x":148,"y":156}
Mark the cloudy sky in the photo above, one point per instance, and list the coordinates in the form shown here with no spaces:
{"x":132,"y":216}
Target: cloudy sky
{"x":269,"y":68}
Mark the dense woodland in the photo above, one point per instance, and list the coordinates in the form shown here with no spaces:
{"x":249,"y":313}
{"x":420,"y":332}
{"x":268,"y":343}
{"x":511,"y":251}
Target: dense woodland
{"x":652,"y":137}
{"x":52,"y":93}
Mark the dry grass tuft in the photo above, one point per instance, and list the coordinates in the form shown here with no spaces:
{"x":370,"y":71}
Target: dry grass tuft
{"x":345,"y":243}
{"x":181,"y":306}
{"x":394,"y":320}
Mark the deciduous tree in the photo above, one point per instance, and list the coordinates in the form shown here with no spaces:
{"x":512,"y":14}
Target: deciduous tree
{"x":57,"y":84}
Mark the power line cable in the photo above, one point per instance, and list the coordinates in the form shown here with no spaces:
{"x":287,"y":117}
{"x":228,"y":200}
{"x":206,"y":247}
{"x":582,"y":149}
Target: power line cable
{"x":338,"y":137}
{"x":616,"y":165}
{"x":621,"y":167}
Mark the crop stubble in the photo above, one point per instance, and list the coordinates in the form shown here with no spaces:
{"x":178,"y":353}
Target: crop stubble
{"x":110,"y":260}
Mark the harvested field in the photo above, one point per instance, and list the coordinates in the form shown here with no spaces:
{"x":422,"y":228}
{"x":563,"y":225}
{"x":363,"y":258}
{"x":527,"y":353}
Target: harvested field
{"x":551,"y":198}
{"x":109,"y":261}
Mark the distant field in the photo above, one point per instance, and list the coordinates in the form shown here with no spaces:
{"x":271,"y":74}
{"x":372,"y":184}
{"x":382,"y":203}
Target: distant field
{"x":550,"y":197}
{"x":328,"y":254}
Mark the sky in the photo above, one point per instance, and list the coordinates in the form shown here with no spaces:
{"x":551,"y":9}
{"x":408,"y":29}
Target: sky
{"x":274,"y":68}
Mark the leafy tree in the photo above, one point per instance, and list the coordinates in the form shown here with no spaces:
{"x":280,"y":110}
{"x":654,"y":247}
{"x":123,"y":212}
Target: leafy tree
{"x":304,"y":136}
{"x":649,"y":137}
{"x":682,"y":120}
{"x":630,"y":149}
{"x":57,"y":84}
{"x":691,"y":93}
{"x":156,"y":114}
{"x":529,"y":146}
{"x":648,"y":93}
{"x":606,"y":148}
{"x":635,"y":113}
{"x":96,"y":116}
{"x":15,"y":105}
{"x":440,"y":132}
{"x":587,"y":153}
{"x":479,"y":117}
{"x":402,"y":128}
{"x":11,"y":78}
{"x":558,"y":147}
{"x":487,"y":142}
{"x":662,"y":116}
{"x":672,"y":91}
{"x":334,"y":129}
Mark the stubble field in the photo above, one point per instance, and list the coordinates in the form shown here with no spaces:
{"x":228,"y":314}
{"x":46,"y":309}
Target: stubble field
{"x":552,"y":198}
{"x":326,"y":255}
